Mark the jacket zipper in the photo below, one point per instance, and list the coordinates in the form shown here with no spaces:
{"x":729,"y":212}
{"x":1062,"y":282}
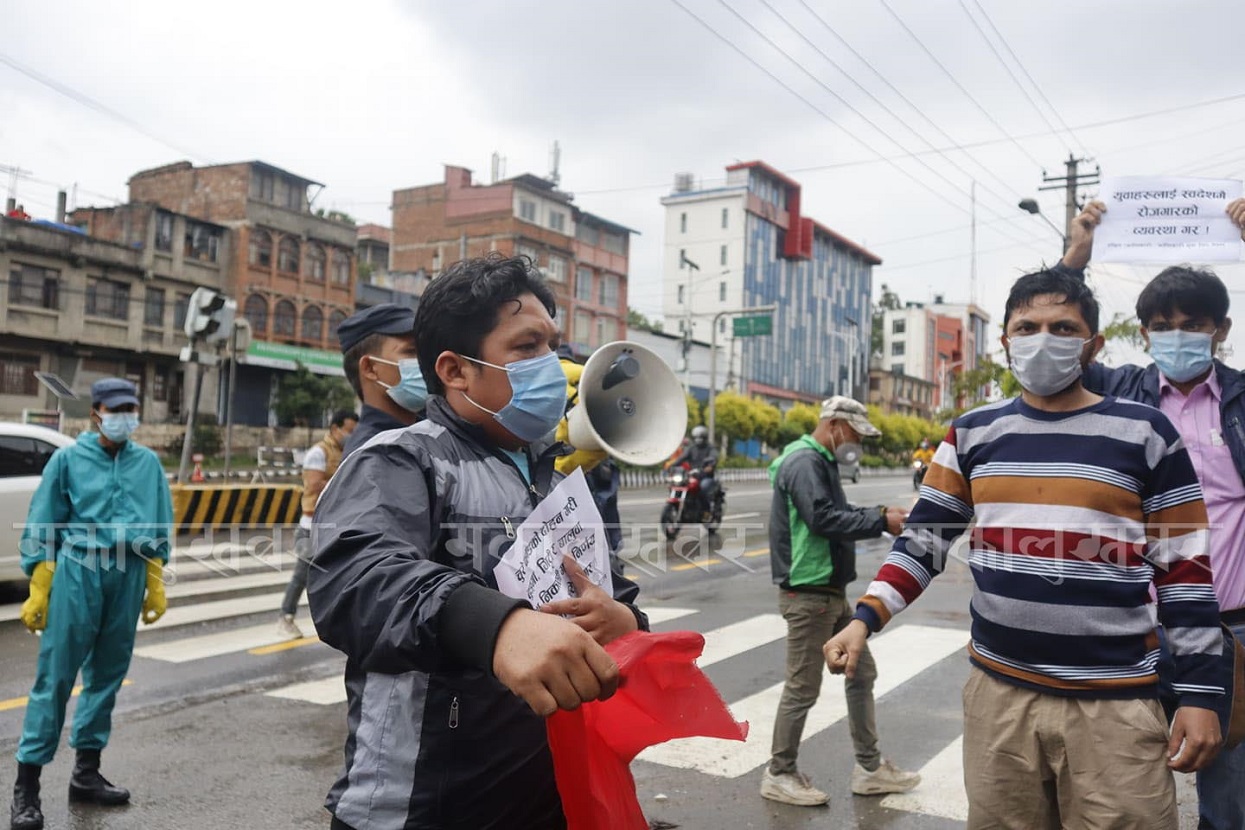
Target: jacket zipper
{"x":454,"y":713}
{"x":510,"y":534}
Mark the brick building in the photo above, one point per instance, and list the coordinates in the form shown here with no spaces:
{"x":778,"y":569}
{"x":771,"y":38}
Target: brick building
{"x":82,"y":307}
{"x":291,"y":271}
{"x":583,"y":257}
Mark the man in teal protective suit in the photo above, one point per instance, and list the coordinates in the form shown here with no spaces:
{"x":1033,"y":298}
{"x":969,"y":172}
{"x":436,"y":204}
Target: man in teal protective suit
{"x":95,"y":544}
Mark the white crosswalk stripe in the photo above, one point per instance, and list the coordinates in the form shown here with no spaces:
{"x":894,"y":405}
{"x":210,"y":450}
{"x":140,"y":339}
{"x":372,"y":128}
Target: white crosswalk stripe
{"x":902,"y":653}
{"x":941,"y":792}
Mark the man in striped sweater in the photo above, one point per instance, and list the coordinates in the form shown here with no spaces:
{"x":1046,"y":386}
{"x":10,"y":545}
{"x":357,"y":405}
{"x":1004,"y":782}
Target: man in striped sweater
{"x":1078,"y":504}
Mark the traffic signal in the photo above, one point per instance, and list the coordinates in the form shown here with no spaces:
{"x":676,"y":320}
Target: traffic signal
{"x":210,"y":316}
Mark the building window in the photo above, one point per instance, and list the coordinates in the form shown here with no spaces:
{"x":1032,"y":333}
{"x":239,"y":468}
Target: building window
{"x":897,"y":349}
{"x":287,"y":255}
{"x":336,"y":319}
{"x":899,"y":326}
{"x":583,"y":327}
{"x":875,"y":384}
{"x":256,"y":313}
{"x":17,"y":374}
{"x":261,"y":249}
{"x":722,"y":255}
{"x":588,"y":234}
{"x":682,"y":223}
{"x":680,"y":300}
{"x":153,"y":307}
{"x":105,"y":298}
{"x":722,"y":291}
{"x":725,"y":216}
{"x":283,"y":317}
{"x":557,"y":221}
{"x":263,"y":185}
{"x":164,"y":231}
{"x":202,"y":243}
{"x":313,"y":323}
{"x":527,"y":210}
{"x":609,"y":290}
{"x":34,"y":286}
{"x":180,"y":309}
{"x":160,"y":384}
{"x":341,"y":268}
{"x":615,"y":243}
{"x":897,"y":369}
{"x":583,"y":284}
{"x":557,"y":269}
{"x":604,"y":331}
{"x":315,"y":262}
{"x":527,"y":251}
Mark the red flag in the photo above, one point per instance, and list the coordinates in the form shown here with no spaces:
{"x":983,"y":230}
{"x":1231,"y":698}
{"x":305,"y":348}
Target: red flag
{"x":662,"y":695}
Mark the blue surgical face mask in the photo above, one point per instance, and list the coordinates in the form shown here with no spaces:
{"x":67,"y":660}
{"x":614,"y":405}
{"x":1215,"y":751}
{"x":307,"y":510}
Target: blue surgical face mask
{"x":1182,"y":355}
{"x":411,"y":393}
{"x":537,"y":396}
{"x":118,"y":426}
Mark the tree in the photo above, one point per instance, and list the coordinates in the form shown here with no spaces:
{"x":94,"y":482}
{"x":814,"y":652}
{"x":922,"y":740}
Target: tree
{"x":766,"y":421}
{"x":304,"y":398}
{"x":734,"y":416}
{"x":336,"y":216}
{"x":636,"y":320}
{"x":695,"y":412}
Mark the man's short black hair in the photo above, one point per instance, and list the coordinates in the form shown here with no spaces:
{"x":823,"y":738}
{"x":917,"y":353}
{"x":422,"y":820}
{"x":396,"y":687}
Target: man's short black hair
{"x":1073,"y":290}
{"x":1197,"y":292}
{"x":350,"y":360}
{"x":460,"y":307}
{"x":342,"y":416}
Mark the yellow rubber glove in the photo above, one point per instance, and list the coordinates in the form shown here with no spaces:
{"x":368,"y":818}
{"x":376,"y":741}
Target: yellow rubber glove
{"x":35,"y":609}
{"x":154,"y":604}
{"x":580,"y":458}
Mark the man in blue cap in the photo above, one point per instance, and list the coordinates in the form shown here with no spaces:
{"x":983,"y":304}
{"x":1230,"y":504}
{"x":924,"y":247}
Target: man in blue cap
{"x":95,"y":544}
{"x":379,"y":358}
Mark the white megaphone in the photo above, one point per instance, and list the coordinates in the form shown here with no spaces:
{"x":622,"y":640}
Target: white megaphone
{"x":630,"y":405}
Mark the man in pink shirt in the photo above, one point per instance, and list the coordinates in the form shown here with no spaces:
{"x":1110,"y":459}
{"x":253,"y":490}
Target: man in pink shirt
{"x":1184,"y":320}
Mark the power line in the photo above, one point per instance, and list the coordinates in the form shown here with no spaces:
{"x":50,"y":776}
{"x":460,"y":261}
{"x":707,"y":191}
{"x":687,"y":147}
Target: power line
{"x":958,"y":85}
{"x":1005,"y":199}
{"x":89,"y":102}
{"x":1021,"y":65}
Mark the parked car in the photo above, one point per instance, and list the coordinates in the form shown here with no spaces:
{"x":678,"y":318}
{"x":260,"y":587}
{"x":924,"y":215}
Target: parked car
{"x":24,"y":451}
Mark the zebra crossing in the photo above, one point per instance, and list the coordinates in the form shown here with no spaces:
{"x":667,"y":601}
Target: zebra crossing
{"x":226,"y":610}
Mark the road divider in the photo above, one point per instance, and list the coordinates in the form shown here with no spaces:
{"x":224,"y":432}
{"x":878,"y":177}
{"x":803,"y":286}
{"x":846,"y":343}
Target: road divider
{"x":199,"y":507}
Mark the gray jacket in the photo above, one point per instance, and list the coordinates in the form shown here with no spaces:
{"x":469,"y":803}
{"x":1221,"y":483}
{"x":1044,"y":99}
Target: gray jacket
{"x":407,"y":535}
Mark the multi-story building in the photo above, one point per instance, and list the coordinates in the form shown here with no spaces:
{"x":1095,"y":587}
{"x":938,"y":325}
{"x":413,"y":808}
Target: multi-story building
{"x":747,"y":244}
{"x":896,"y":393}
{"x":583,"y":257}
{"x":83,"y":307}
{"x":291,"y":270}
{"x":372,"y":250}
{"x":934,"y":344}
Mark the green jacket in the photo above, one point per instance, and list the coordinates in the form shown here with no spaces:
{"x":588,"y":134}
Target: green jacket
{"x":812,"y":528}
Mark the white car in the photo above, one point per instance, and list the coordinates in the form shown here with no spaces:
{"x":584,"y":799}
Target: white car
{"x":24,"y":451}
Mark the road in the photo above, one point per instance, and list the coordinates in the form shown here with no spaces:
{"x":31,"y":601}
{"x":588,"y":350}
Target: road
{"x":222,"y":725}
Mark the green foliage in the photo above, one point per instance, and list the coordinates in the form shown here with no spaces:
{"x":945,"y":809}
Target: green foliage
{"x":803,"y":417}
{"x":768,"y":419}
{"x":695,"y":412}
{"x":366,"y":269}
{"x":734,"y":416}
{"x":889,"y":301}
{"x":336,"y":216}
{"x":636,"y":320}
{"x":207,"y":436}
{"x":304,"y":398}
{"x":901,"y":434}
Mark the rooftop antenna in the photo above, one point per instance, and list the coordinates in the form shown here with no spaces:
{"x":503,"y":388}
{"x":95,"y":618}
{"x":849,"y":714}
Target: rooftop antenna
{"x":555,"y":159}
{"x":498,"y":168}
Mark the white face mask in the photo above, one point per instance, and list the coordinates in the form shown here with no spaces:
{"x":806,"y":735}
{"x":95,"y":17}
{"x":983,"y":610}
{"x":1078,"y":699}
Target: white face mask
{"x":1046,"y":364}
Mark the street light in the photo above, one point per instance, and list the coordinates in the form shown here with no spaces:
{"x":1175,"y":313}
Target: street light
{"x":1031,"y":206}
{"x":713,"y":359}
{"x":853,"y":343}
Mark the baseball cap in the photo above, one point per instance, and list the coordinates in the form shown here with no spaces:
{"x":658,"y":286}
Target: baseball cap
{"x":853,"y":411}
{"x":386,"y":318}
{"x":113,"y":392}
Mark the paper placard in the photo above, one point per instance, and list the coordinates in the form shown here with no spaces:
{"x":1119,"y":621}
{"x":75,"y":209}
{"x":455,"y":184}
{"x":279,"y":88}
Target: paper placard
{"x":565,"y":522}
{"x":1167,"y":219}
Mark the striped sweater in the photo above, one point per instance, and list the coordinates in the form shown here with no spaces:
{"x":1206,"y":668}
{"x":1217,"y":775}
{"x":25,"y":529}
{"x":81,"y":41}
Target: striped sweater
{"x":1073,"y":517}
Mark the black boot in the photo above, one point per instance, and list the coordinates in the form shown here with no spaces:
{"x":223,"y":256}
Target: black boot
{"x":87,"y":785}
{"x":25,"y":813}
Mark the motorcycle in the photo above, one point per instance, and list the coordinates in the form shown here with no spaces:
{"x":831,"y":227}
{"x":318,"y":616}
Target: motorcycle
{"x":919,"y":468}
{"x":686,"y":503}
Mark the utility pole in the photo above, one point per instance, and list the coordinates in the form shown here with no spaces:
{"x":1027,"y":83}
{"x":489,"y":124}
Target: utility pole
{"x":1070,"y":182}
{"x":687,"y":320}
{"x":713,"y":360}
{"x":972,"y":262}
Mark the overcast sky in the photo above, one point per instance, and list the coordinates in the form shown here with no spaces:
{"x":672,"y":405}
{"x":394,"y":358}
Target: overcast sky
{"x":372,"y":95}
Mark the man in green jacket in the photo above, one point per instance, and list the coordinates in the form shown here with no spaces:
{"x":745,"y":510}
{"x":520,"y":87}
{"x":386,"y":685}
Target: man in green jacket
{"x":812,"y":532}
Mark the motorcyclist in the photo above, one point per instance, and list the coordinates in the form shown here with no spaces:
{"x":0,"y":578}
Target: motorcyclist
{"x":924,"y":453}
{"x":701,"y":456}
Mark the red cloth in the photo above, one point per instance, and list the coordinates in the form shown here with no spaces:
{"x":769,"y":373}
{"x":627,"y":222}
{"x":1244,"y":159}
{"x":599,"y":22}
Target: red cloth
{"x":662,"y":695}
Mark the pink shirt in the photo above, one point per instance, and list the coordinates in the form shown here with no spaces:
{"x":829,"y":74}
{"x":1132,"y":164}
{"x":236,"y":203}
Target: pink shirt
{"x":1196,"y":418}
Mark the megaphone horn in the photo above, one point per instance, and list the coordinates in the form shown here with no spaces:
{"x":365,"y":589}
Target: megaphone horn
{"x":631,"y":405}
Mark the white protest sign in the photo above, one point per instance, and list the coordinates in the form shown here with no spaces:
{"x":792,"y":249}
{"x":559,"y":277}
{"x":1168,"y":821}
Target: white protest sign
{"x":1167,"y":219}
{"x":566,"y":522}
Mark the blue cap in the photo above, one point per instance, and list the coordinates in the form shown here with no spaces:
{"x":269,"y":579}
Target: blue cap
{"x":386,"y":318}
{"x":113,"y":392}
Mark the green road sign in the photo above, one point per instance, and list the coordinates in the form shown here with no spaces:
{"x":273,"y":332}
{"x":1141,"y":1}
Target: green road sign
{"x":759,"y":325}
